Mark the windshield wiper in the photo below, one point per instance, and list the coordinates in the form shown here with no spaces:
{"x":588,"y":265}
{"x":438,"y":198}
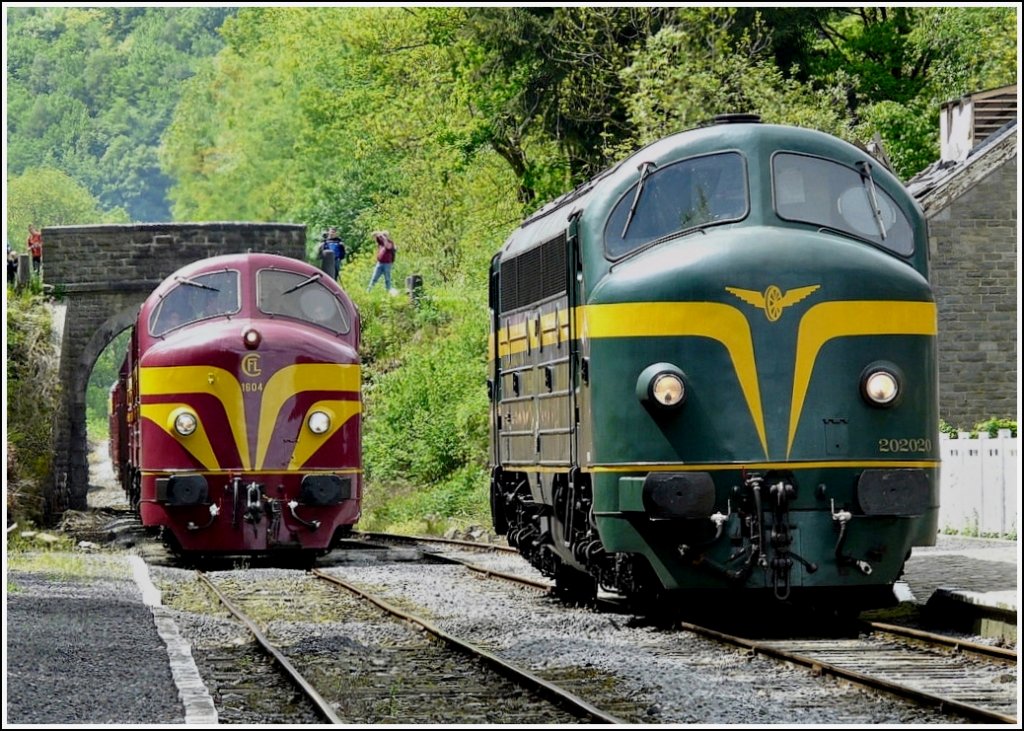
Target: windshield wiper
{"x":865,"y":174}
{"x":644,"y":168}
{"x":194,"y":283}
{"x":301,"y":284}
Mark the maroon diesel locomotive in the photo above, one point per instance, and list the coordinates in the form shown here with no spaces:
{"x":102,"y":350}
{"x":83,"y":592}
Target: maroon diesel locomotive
{"x":236,"y":418}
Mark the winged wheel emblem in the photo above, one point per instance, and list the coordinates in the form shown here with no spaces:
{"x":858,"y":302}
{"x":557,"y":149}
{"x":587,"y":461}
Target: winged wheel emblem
{"x":773,"y":301}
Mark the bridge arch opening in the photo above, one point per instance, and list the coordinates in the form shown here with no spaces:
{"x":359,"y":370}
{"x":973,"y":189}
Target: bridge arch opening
{"x":104,"y":491}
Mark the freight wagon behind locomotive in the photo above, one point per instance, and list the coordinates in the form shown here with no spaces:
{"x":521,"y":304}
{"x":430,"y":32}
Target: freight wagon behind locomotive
{"x":235,"y":421}
{"x":714,"y":371}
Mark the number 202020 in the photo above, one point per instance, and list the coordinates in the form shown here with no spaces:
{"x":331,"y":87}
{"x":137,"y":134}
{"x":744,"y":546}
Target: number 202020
{"x":904,"y":445}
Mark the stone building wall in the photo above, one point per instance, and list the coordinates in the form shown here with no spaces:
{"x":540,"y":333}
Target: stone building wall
{"x":975,"y":270}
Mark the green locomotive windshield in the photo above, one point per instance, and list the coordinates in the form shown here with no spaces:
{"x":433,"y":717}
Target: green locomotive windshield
{"x":300,"y":296}
{"x":195,"y":298}
{"x":826,"y":193}
{"x":679,"y":197}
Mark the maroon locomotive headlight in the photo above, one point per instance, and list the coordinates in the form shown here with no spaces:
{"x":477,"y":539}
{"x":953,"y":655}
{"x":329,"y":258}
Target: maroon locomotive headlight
{"x":251,"y":337}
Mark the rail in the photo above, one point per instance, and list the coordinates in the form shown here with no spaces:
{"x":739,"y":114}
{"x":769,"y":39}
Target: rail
{"x":519,"y":675}
{"x":322,"y":706}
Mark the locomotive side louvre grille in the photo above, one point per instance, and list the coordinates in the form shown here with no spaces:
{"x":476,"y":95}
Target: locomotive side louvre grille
{"x":529,"y":285}
{"x":509,"y":271}
{"x":534,"y":275}
{"x":553,"y":266}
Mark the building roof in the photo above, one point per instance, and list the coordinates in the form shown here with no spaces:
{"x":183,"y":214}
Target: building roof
{"x":944,"y":181}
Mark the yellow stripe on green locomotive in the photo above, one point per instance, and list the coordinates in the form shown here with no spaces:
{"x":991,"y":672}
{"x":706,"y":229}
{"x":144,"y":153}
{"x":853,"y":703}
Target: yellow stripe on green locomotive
{"x":713,"y":368}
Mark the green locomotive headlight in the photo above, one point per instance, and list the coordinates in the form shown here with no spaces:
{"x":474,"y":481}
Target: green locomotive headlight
{"x":668,"y":389}
{"x":661,"y":385}
{"x":880,"y":385}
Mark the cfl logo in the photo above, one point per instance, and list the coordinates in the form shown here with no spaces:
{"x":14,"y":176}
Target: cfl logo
{"x":251,"y":365}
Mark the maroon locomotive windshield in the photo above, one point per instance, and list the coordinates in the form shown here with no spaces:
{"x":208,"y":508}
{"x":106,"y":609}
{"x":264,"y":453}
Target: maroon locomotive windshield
{"x":195,"y":298}
{"x":302,"y":297}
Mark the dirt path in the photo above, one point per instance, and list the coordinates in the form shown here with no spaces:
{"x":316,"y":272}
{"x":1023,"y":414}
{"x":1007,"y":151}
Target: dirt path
{"x":104,"y":491}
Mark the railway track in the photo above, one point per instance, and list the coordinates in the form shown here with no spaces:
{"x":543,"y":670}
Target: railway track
{"x":975,"y":687}
{"x":972,"y":680}
{"x":414,"y":540}
{"x":403,"y":677}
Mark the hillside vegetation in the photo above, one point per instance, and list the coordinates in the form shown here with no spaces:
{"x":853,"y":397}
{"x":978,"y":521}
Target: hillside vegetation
{"x":445,"y":126}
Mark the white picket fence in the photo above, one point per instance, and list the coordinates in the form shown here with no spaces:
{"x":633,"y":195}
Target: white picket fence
{"x":978,"y":486}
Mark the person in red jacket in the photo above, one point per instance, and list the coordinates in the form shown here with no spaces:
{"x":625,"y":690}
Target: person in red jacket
{"x":385,"y":260}
{"x":35,"y":247}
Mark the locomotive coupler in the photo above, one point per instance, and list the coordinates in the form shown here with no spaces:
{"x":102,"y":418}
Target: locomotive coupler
{"x":214,"y":512}
{"x":756,"y":521}
{"x":781,"y":539}
{"x":781,"y":565}
{"x":253,"y":502}
{"x":311,"y":524}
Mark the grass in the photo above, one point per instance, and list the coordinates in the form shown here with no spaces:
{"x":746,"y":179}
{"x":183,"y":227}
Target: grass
{"x":59,"y":560}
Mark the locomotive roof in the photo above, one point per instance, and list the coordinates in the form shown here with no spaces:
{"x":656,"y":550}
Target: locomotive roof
{"x":246,"y":261}
{"x":741,"y":135}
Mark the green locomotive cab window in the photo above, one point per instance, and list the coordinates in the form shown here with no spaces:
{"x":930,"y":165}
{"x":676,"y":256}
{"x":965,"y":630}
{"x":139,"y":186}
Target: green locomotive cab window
{"x":831,"y":195}
{"x":300,"y":296}
{"x":683,"y":196}
{"x":195,"y":298}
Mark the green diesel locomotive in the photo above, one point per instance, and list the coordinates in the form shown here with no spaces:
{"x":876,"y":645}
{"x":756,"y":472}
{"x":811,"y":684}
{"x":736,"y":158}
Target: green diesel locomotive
{"x":713,"y":368}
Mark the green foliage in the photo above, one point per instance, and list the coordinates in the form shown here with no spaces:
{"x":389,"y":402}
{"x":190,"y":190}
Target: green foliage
{"x":428,"y":418}
{"x":367,"y":127}
{"x":898,"y":64}
{"x":909,"y":131}
{"x":90,"y":91}
{"x":49,"y":197}
{"x":699,"y":67}
{"x":426,"y":422}
{"x":31,"y":395}
{"x":545,"y":85}
{"x":459,"y":501}
{"x":990,"y":426}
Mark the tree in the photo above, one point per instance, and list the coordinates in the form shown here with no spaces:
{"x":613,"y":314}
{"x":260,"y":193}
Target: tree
{"x":701,"y":65}
{"x":899,"y":64}
{"x":546,"y":86}
{"x":90,"y":91}
{"x":49,"y":197}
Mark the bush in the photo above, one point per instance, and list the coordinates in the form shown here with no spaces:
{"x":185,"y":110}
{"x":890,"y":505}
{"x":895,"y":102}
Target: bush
{"x":32,"y":392}
{"x":426,"y":428}
{"x":990,"y":426}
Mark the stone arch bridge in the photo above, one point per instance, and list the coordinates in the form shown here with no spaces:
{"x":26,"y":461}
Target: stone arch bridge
{"x":101,"y":275}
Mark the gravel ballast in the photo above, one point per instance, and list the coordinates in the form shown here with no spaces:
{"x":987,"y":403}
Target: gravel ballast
{"x":84,"y":649}
{"x":683,"y":678}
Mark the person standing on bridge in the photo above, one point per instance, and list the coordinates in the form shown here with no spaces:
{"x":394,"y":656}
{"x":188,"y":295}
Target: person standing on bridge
{"x":35,"y":247}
